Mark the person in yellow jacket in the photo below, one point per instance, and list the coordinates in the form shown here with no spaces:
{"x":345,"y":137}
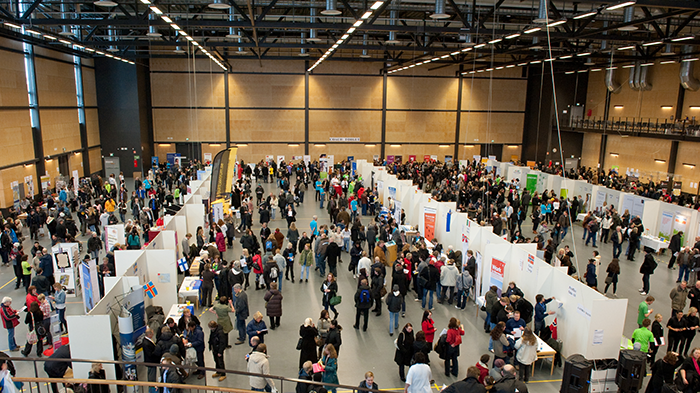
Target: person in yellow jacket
{"x":110,"y":205}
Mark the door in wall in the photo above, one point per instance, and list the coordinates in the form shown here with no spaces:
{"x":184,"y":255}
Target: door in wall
{"x":63,"y":165}
{"x":492,"y":149}
{"x":189,"y":150}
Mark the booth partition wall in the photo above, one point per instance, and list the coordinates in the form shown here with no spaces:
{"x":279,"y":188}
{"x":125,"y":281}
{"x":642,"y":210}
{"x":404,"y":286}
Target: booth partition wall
{"x":342,"y":109}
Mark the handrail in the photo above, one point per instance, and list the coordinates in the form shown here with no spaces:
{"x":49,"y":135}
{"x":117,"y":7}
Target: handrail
{"x":190,"y":370}
{"x":182,"y":386}
{"x":678,"y":127}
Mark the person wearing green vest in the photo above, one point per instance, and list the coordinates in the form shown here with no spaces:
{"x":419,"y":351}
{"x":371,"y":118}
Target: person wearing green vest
{"x":643,"y":335}
{"x":643,"y":311}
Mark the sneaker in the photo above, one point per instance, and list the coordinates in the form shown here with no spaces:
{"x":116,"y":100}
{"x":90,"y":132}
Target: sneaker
{"x":643,"y":293}
{"x":239,"y":342}
{"x":416,"y":300}
{"x":221,"y":378}
{"x":215,"y":375}
{"x":641,"y":289}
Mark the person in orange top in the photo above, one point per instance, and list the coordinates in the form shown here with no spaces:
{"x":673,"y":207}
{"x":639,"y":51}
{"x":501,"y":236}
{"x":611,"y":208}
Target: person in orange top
{"x":455,"y":331}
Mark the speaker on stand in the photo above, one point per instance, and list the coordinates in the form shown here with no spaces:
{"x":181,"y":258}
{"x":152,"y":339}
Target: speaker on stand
{"x":630,"y":371}
{"x":577,"y":375}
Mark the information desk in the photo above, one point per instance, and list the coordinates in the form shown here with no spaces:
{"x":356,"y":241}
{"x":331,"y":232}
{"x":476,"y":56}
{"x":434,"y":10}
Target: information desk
{"x":190,"y":288}
{"x":654,"y":243}
{"x":176,"y":311}
{"x":544,"y":351}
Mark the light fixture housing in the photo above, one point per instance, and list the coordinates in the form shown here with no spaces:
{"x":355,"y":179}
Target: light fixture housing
{"x":620,"y":5}
{"x":614,"y":155}
{"x":666,"y":106}
{"x":219,"y":5}
{"x":105,"y":3}
{"x":619,"y":106}
{"x":659,"y":161}
{"x":687,"y":165}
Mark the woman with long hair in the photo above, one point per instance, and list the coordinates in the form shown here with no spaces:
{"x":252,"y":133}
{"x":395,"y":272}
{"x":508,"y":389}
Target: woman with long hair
{"x":207,"y":284}
{"x":527,"y":353}
{"x":692,"y":322}
{"x":329,"y":289}
{"x":428,"y":327}
{"x":500,"y":342}
{"x":613,"y":271}
{"x":404,"y":350}
{"x":330,"y":367}
{"x":246,"y":260}
{"x":35,"y":321}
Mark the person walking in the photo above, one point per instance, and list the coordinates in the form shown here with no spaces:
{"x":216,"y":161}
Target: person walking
{"x":647,"y":269}
{"x":329,"y":362}
{"x":273,"y":305}
{"x":259,"y":363}
{"x":363,"y":302}
{"x":613,"y":271}
{"x":195,"y":340}
{"x":679,"y":297}
{"x":404,"y":350}
{"x":306,"y":260}
{"x":329,"y":288}
{"x":10,"y":320}
{"x":394,"y":300}
{"x":218,"y":341}
{"x":674,"y":245}
{"x":616,"y":238}
{"x":35,"y":322}
{"x":419,"y":376}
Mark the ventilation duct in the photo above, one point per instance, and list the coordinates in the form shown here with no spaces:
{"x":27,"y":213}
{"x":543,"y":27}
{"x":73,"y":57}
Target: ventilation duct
{"x":439,"y":10}
{"x":633,"y":80}
{"x":303,"y":52}
{"x":152,"y":30}
{"x":312,"y":32}
{"x":365,"y":54}
{"x":627,"y":18}
{"x":112,"y":33}
{"x":179,"y":50}
{"x":638,"y":78}
{"x":535,"y":44}
{"x":242,"y":51}
{"x":65,"y":29}
{"x":688,"y":80}
{"x":668,"y":50}
{"x":331,"y":8}
{"x":541,"y":12}
{"x":644,"y":85}
{"x":611,"y":83}
{"x":233,"y":33}
{"x":393,"y":14}
{"x":468,"y":39}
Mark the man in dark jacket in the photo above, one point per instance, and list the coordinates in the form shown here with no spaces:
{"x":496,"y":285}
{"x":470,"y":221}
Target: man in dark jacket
{"x":470,"y":384}
{"x":149,"y":354}
{"x":509,"y":384}
{"x":363,"y":302}
{"x":218,"y":341}
{"x":471,"y":263}
{"x":240,"y":305}
{"x":46,"y":264}
{"x":647,"y":269}
{"x":303,"y":241}
{"x":166,"y":340}
{"x":675,"y":246}
{"x":195,"y":339}
{"x":694,"y":296}
{"x":431,"y":276}
{"x":57,"y":369}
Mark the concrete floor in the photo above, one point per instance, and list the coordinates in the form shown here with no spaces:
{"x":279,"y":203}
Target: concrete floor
{"x":372,"y":350}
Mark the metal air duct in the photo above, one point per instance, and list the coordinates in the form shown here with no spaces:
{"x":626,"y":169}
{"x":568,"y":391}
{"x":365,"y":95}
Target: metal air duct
{"x":644,"y":85}
{"x":152,"y":30}
{"x":611,"y":83}
{"x":393,"y":14}
{"x":233,"y":33}
{"x":331,"y":8}
{"x":312,"y":32}
{"x":688,"y":80}
{"x":541,"y":12}
{"x":627,"y":18}
{"x":65,"y":29}
{"x":439,"y":10}
{"x":303,"y":52}
{"x":112,"y":35}
{"x":365,"y":54}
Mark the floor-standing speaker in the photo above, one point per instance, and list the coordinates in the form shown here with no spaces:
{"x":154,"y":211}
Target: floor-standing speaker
{"x":577,"y":375}
{"x":630,"y":371}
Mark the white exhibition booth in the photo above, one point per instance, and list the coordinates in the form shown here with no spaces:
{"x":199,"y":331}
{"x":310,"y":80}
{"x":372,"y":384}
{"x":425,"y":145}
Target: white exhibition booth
{"x":588,"y":323}
{"x":121,"y":311}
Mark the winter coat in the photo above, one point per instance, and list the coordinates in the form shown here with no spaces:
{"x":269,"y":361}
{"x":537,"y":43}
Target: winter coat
{"x":258,"y":363}
{"x":678,"y":297}
{"x":469,"y":385}
{"x":306,"y":258}
{"x":448,"y":275}
{"x":273,"y":298}
{"x":308,"y":344}
{"x":404,"y":353}
{"x":394,"y":302}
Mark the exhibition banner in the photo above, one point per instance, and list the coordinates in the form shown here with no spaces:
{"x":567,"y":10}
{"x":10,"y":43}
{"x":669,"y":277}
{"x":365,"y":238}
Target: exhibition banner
{"x":498,"y":269}
{"x":88,"y":283}
{"x":429,"y":215}
{"x":126,"y":339}
{"x":666,"y":225}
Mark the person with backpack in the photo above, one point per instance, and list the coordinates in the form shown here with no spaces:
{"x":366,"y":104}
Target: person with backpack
{"x":363,"y":302}
{"x":271,"y":272}
{"x":273,"y":305}
{"x":428,"y":278}
{"x":647,"y":269}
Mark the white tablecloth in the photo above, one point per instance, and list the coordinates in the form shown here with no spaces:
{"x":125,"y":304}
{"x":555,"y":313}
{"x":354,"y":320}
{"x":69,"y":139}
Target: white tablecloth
{"x":654,"y":243}
{"x":176,"y":312}
{"x":187,"y":290}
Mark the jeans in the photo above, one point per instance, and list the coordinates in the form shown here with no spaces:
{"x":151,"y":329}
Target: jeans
{"x":444,"y":292}
{"x":645,"y":283}
{"x":240,"y":326}
{"x":591,"y":235}
{"x":393,"y":321}
{"x":525,"y":370}
{"x":11,"y":338}
{"x":267,"y":388}
{"x":427,"y":291}
{"x":564,"y":231}
{"x":617,"y":250}
{"x":487,"y":321}
{"x":346,"y":245}
{"x":683,"y":269}
{"x":462,"y":298}
{"x":306,"y":269}
{"x":539,"y":325}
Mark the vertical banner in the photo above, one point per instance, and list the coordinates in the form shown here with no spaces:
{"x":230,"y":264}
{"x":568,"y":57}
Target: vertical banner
{"x":397,"y":212}
{"x":392,"y":192}
{"x":531,"y":184}
{"x":88,"y":283}
{"x":217,"y":209}
{"x":55,"y":329}
{"x":134,"y":305}
{"x":679,"y":225}
{"x":76,"y":180}
{"x":126,"y":338}
{"x":354,"y":168}
{"x":477,"y":279}
{"x":497,"y":271}
{"x":307,"y":160}
{"x":29,"y":181}
{"x":380,"y":190}
{"x":600,"y":198}
{"x":412,"y":158}
{"x":666,"y":225}
{"x":15,"y":194}
{"x":448,"y":221}
{"x":207,"y":157}
{"x":280,"y":159}
{"x":429,"y":215}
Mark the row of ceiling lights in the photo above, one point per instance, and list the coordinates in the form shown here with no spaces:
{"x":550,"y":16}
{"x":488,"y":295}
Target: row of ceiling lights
{"x":348,"y":33}
{"x":63,"y":40}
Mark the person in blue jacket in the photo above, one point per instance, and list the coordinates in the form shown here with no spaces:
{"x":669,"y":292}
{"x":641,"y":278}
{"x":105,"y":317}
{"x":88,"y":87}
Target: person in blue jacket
{"x":591,"y":278}
{"x":541,"y":312}
{"x":195,"y":339}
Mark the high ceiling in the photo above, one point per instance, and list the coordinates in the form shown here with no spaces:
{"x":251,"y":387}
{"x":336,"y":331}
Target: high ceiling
{"x":396,"y":32}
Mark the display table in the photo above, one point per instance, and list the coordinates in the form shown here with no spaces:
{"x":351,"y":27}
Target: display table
{"x":194,"y":267}
{"x":654,"y":243}
{"x":544,"y":351}
{"x":190,"y":288}
{"x":176,"y":311}
{"x":390,"y":253}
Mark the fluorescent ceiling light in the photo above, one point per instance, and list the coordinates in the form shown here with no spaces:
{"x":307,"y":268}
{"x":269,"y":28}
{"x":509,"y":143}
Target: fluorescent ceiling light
{"x":536,"y":62}
{"x":376,"y":5}
{"x":351,"y":30}
{"x":366,"y":15}
{"x":689,"y":37}
{"x":557,"y":23}
{"x":510,"y":66}
{"x":516,"y":35}
{"x":611,"y":68}
{"x":65,"y":42}
{"x":48,"y":37}
{"x":455,"y":53}
{"x":495,"y":40}
{"x":626,"y":47}
{"x":647,"y":64}
{"x":156,"y":10}
{"x":583,"y":54}
{"x":690,"y":59}
{"x":620,"y":5}
{"x":667,"y":62}
{"x":566,"y":57}
{"x":146,"y":2}
{"x":652,"y":43}
{"x":569,"y":72}
{"x":479,"y":46}
{"x":628,"y":66}
{"x":586,"y":15}
{"x":166,"y":19}
{"x":357,"y":24}
{"x":174,"y":26}
{"x":8,"y":24}
{"x":32,"y":32}
{"x":499,"y":68}
{"x":596,"y":69}
{"x":532,"y":30}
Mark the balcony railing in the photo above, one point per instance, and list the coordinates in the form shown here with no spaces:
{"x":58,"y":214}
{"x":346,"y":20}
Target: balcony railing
{"x":639,"y":125}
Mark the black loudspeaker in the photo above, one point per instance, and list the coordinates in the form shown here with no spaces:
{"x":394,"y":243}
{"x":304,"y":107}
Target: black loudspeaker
{"x":630,"y":371}
{"x":577,"y":375}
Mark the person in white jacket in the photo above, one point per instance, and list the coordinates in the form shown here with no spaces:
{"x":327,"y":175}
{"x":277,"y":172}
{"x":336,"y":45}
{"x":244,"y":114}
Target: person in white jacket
{"x":258,"y":363}
{"x":364,"y":263}
{"x":448,"y":280}
{"x":527,"y":353}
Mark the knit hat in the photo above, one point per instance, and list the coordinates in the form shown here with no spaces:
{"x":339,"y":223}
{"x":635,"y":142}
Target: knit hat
{"x":174,"y":349}
{"x":499,"y":363}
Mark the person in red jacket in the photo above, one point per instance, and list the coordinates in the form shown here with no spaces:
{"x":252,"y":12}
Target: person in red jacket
{"x":428,"y":327}
{"x":455,"y":331}
{"x":483,"y":366}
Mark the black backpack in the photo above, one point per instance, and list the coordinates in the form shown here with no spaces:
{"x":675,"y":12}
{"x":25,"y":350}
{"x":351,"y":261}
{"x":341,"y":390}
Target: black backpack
{"x":441,"y":346}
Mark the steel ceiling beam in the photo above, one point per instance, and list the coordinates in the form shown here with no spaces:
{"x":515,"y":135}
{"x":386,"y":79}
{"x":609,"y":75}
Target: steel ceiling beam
{"x":653,"y":23}
{"x":31,"y":8}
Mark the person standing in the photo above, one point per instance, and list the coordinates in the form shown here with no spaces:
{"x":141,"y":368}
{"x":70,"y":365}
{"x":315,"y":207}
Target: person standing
{"x":679,"y":297}
{"x":676,"y":328}
{"x":643,"y":311}
{"x":617,"y":242}
{"x":240,"y":306}
{"x":394,"y":300}
{"x":288,"y":254}
{"x":643,"y":336}
{"x":448,"y":281}
{"x":541,"y":312}
{"x":526,"y":354}
{"x":419,"y":376}
{"x":674,"y":245}
{"x":363,"y":302}
{"x":273,"y":305}
{"x":613,"y":271}
{"x":657,"y":329}
{"x":329,"y":362}
{"x":329,"y":288}
{"x":259,"y":363}
{"x":691,"y":325}
{"x":455,"y":331}
{"x":404,"y":350}
{"x":35,"y":322}
{"x":218,"y":341}
{"x":647,"y":269}
{"x":10,"y":320}
{"x":694,"y":296}
{"x":195,"y":339}
{"x":307,"y":345}
{"x":306,"y":260}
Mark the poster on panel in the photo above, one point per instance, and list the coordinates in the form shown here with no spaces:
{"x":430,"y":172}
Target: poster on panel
{"x":429,"y":216}
{"x":666,"y":224}
{"x":89,"y":284}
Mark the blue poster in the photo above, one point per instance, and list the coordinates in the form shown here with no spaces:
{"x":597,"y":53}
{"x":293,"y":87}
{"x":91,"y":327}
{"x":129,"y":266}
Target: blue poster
{"x":154,"y":162}
{"x":88,"y":279}
{"x":171,"y":157}
{"x":354,"y":167}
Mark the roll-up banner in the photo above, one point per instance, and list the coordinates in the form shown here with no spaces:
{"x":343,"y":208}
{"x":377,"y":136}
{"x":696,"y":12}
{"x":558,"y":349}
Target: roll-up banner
{"x":223,"y":171}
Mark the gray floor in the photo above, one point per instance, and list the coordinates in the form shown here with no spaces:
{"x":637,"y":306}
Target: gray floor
{"x":374,"y":350}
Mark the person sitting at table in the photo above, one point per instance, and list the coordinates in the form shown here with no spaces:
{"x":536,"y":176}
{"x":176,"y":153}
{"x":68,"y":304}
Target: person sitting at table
{"x":186,"y":318}
{"x":515,"y":323}
{"x":170,"y":323}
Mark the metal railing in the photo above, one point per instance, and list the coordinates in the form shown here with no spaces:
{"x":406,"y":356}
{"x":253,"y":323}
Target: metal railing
{"x":639,"y":125}
{"x":240,"y":378}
